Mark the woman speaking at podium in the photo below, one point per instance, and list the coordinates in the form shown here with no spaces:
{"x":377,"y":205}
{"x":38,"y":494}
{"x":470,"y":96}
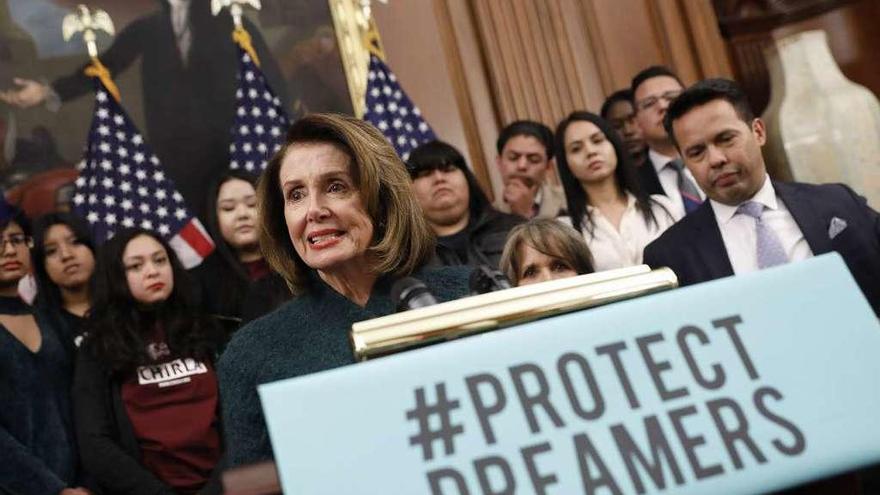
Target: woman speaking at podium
{"x":340,"y":223}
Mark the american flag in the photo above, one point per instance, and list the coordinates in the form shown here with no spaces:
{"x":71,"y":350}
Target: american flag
{"x":392,"y":112}
{"x":122,"y":184}
{"x":260,"y":120}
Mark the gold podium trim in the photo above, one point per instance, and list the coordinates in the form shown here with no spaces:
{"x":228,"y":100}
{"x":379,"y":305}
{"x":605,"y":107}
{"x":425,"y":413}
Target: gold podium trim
{"x":470,"y":315}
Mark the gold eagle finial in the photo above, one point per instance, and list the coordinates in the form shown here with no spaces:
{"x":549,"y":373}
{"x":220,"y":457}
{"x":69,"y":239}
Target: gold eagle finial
{"x":234,"y":8}
{"x":87,"y":21}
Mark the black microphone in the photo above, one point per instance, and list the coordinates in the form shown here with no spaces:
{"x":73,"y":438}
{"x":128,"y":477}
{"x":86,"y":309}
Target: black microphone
{"x":411,"y":293}
{"x":484,"y":279}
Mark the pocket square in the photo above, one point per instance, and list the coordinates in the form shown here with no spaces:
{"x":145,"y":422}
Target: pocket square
{"x":836,"y":226}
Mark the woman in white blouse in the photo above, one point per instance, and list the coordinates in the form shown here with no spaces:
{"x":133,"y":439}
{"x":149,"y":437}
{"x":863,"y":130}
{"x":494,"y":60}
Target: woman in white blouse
{"x":605,"y":200}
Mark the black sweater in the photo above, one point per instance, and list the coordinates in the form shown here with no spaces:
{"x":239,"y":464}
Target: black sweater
{"x":37,"y":447}
{"x":110,"y":449}
{"x":484,"y":238}
{"x":307,"y":335}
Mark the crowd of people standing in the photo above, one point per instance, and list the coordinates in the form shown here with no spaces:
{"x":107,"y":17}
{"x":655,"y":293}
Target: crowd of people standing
{"x":129,"y":374}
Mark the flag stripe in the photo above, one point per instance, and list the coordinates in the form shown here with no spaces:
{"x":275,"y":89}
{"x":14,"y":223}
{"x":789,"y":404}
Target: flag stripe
{"x":197,"y":238}
{"x":188,"y":256}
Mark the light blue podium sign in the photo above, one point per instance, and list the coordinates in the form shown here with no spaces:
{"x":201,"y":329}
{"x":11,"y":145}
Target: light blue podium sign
{"x":741,"y":385}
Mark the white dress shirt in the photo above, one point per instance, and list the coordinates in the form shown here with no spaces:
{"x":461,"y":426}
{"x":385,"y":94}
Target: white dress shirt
{"x":181,"y":26}
{"x":669,"y":180}
{"x":739,"y":234}
{"x":612,"y":248}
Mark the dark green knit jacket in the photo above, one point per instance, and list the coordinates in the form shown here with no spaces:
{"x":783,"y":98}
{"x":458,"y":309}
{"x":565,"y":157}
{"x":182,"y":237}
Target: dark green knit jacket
{"x":306,"y":335}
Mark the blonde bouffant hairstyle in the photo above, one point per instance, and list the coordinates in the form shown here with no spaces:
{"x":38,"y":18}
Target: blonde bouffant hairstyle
{"x":402,"y":239}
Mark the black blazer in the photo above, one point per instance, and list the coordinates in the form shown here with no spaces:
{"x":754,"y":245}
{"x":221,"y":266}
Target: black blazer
{"x":695,"y":251}
{"x":648,"y":178}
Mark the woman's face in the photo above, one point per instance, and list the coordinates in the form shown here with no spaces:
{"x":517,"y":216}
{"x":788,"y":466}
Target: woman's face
{"x":147,"y":270}
{"x":15,"y":260}
{"x":589,"y":153}
{"x":539,"y":267}
{"x":237,"y":213}
{"x":69,"y":263}
{"x":326,"y":220}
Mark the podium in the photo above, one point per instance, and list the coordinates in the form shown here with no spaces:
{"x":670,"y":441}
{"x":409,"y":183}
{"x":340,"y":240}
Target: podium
{"x":740,"y":385}
{"x":496,"y":310}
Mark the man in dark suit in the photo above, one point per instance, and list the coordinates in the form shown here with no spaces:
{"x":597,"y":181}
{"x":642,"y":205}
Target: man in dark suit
{"x":662,"y":172}
{"x":751,"y":222}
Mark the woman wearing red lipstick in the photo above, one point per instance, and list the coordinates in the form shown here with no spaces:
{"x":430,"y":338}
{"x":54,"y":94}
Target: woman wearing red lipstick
{"x":64,"y":262}
{"x":605,"y":200}
{"x":145,"y":390}
{"x":340,"y":223}
{"x":235,"y":282}
{"x":37,"y":446}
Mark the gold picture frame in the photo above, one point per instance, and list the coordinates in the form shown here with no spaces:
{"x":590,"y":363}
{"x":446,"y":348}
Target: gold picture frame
{"x":352,"y":26}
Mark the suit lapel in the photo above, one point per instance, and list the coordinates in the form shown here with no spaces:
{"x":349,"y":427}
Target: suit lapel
{"x":648,"y":178}
{"x":709,"y":243}
{"x":811,"y":222}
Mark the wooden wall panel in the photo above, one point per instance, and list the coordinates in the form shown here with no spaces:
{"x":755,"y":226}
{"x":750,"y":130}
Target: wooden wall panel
{"x":708,"y":45}
{"x":475,"y":65}
{"x":530,"y":58}
{"x":415,"y":52}
{"x":624,"y":39}
{"x":467,"y":112}
{"x":535,"y":53}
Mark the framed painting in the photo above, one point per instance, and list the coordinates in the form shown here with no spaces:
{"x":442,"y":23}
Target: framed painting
{"x":311,"y":62}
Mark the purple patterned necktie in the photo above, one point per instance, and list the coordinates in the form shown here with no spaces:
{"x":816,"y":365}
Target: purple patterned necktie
{"x":769,"y":247}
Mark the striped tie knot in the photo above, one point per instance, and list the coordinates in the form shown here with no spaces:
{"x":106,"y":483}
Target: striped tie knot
{"x":690,"y":194}
{"x":676,"y":164}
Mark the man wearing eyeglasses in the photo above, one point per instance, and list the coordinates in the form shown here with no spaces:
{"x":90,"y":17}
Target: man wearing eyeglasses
{"x":663,"y":172}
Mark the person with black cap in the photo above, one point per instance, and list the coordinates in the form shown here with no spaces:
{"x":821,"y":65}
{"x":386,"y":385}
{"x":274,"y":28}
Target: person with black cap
{"x":469,"y":230}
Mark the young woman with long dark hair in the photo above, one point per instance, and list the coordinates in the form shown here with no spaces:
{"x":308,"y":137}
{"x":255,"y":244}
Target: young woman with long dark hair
{"x":605,"y":200}
{"x":37,"y":447}
{"x":236,"y":282}
{"x":64,"y":263}
{"x":145,"y":392}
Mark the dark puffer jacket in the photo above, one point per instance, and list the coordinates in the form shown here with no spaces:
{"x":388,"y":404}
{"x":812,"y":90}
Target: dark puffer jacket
{"x":486,"y":235}
{"x":486,"y":231}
